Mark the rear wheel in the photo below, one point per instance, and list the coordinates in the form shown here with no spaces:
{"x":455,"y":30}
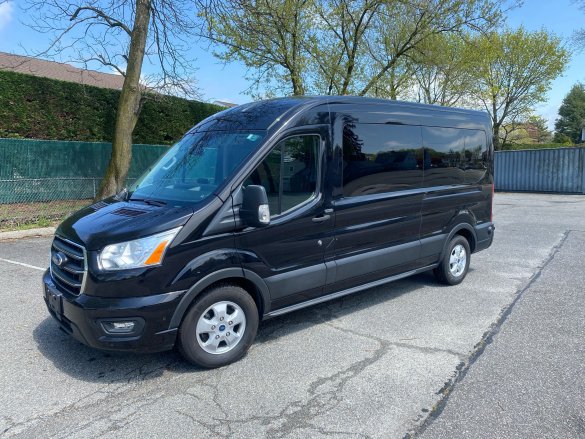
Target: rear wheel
{"x":455,"y":264}
{"x":219,"y":327}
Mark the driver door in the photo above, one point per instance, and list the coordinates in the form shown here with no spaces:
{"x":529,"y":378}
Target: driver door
{"x":289,"y":253}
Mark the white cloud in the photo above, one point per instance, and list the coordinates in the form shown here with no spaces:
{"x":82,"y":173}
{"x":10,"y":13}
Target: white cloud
{"x":6,"y":11}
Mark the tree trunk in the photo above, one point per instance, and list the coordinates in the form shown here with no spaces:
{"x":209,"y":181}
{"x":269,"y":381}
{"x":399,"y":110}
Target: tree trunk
{"x":347,"y":77}
{"x":393,"y":93}
{"x":374,"y":80}
{"x":297,"y":83}
{"x":128,"y":106}
{"x":496,"y":139}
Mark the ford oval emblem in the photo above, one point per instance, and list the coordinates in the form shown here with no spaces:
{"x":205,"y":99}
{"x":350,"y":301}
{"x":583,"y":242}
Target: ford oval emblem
{"x":59,"y":259}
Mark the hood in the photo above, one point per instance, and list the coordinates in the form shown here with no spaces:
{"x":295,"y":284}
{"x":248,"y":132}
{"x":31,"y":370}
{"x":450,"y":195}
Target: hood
{"x":112,"y":221}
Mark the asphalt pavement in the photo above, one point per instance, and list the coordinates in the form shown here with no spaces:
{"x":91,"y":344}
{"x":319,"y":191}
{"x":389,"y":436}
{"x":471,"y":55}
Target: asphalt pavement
{"x":498,"y":356}
{"x":529,"y":382}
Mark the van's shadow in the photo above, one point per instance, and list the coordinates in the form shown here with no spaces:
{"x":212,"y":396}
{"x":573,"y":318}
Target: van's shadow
{"x":87,"y":364}
{"x":324,"y":312}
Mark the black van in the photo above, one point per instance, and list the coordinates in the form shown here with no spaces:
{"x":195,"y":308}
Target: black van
{"x":267,"y":208}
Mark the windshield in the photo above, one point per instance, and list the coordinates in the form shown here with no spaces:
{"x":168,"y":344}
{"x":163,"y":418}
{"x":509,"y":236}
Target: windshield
{"x":193,"y":168}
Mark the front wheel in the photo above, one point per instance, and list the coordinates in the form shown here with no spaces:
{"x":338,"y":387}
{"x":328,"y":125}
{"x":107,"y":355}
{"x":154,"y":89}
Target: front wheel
{"x":219,"y":327}
{"x":455,"y":264}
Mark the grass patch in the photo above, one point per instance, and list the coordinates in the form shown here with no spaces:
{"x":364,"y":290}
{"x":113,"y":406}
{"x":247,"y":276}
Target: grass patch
{"x":22,"y":216}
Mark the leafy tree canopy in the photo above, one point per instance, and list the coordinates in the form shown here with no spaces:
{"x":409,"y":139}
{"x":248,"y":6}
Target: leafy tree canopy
{"x":513,"y":71}
{"x":572,"y":113}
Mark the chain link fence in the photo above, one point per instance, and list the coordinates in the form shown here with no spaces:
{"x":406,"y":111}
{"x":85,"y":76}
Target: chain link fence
{"x":42,"y":182}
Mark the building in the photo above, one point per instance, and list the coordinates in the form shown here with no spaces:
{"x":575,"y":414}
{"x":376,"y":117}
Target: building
{"x":60,"y":71}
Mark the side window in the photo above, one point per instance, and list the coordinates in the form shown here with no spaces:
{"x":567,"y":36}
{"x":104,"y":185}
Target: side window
{"x":289,"y":173}
{"x":380,"y":158}
{"x":267,"y":174}
{"x":444,"y":159}
{"x":475,"y":155}
{"x":453,"y":156}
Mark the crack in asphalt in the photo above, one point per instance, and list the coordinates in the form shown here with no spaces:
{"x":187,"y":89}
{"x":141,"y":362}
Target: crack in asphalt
{"x":480,"y":347}
{"x":130,"y":381}
{"x":325,"y":394}
{"x":423,"y":349}
{"x":321,"y":402}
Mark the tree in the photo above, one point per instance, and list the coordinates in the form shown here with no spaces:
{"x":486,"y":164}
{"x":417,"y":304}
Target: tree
{"x":572,"y":114}
{"x":334,"y":46}
{"x":120,"y":34}
{"x":339,"y":43}
{"x":563,"y":139}
{"x":514,"y":133}
{"x":543,"y":134}
{"x":397,"y":83}
{"x":269,"y":36}
{"x":532,"y":129}
{"x":405,"y":27}
{"x":444,"y":70}
{"x":513,"y":71}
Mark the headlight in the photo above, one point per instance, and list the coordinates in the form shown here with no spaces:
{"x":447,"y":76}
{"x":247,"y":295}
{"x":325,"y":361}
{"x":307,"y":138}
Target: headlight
{"x":143,"y":252}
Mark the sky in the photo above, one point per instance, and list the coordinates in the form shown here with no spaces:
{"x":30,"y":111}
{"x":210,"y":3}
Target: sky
{"x":217,"y":81}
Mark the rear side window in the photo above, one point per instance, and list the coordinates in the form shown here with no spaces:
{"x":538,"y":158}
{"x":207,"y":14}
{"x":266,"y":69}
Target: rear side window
{"x":289,"y":173}
{"x":381,"y":158}
{"x":476,"y":155}
{"x":444,"y":156}
{"x":453,"y":156}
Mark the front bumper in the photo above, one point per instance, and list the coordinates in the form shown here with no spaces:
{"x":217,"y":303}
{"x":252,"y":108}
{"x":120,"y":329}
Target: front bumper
{"x":83,"y":316}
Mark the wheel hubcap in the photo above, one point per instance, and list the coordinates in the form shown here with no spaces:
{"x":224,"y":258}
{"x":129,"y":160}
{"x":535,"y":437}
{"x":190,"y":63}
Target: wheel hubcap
{"x":221,"y":327}
{"x":457,"y":260}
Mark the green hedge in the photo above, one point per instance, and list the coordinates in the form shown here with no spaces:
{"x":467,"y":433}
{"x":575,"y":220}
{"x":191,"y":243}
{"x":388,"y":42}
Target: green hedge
{"x":42,"y":108}
{"x":518,"y":146}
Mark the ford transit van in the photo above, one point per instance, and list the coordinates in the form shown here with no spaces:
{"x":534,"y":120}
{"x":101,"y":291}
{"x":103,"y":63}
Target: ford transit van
{"x":267,"y":208}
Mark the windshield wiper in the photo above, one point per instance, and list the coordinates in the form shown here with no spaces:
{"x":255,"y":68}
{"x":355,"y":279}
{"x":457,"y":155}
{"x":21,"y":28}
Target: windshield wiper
{"x":122,"y":195}
{"x":149,"y":201}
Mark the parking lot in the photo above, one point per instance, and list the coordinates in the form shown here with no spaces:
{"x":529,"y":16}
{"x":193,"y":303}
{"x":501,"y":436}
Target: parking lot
{"x":408,"y":358}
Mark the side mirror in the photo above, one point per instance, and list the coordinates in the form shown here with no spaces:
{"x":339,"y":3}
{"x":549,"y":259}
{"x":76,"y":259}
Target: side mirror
{"x":255,"y":211}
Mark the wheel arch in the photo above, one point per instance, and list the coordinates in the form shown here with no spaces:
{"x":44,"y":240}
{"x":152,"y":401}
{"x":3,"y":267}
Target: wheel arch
{"x":468,"y":232}
{"x":464,"y":229}
{"x":245,"y":279}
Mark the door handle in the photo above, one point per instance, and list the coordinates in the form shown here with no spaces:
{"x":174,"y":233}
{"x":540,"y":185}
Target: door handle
{"x":322,"y":218}
{"x":326,"y":216}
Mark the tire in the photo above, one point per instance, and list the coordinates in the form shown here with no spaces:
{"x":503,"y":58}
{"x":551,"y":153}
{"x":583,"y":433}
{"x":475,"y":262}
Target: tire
{"x":219,"y":328}
{"x":455,"y":264}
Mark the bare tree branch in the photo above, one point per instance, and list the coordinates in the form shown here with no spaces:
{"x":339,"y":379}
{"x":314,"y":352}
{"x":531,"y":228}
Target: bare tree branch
{"x":112,"y":22}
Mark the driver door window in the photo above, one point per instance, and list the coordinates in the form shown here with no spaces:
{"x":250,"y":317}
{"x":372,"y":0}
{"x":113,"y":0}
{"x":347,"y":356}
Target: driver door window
{"x":289,"y":173}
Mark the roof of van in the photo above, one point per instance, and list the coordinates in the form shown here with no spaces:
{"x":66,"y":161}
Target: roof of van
{"x":266,"y":113}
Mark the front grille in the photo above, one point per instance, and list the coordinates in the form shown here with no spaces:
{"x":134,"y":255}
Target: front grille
{"x":69,"y":275}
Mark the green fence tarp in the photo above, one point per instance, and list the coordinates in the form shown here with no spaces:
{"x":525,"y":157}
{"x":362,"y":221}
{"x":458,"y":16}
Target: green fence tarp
{"x":45,"y":170}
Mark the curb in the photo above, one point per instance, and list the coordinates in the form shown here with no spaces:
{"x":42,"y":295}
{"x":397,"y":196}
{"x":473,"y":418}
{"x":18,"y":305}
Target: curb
{"x":41,"y":232}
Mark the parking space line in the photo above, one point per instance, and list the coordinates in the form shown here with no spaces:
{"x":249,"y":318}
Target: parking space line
{"x":22,"y":264}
